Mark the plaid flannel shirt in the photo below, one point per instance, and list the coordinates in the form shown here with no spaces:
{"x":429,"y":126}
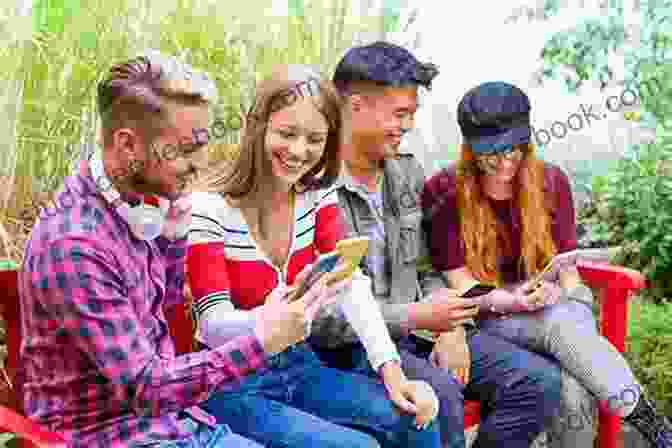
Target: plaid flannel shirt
{"x":99,"y":364}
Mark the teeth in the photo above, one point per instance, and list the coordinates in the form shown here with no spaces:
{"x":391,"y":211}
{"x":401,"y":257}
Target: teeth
{"x":292,"y":166}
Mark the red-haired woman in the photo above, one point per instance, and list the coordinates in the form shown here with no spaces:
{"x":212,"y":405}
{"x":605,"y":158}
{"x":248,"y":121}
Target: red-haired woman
{"x":497,"y":217}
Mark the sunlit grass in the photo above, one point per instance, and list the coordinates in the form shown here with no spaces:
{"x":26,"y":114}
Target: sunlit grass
{"x":49,"y":80}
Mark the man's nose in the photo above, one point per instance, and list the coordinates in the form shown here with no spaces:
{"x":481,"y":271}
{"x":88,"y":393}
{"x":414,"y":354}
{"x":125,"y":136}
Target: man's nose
{"x":506,"y":163}
{"x":407,"y":123}
{"x":200,"y":160}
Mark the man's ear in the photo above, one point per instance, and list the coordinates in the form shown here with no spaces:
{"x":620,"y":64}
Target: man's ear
{"x":356,"y":102}
{"x":123,"y":139}
{"x":126,"y":142}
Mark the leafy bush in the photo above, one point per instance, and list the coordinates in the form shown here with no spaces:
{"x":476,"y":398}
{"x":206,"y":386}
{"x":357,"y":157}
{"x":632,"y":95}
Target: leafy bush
{"x":632,"y":209}
{"x":49,"y":78}
{"x":648,"y":349}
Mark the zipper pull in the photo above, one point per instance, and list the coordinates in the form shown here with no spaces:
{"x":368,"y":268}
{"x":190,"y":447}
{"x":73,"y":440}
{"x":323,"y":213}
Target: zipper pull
{"x":281,"y":277}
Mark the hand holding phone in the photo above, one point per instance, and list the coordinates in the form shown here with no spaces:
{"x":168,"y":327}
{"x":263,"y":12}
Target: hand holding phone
{"x":352,"y":251}
{"x":555,"y":265}
{"x":325,"y":264}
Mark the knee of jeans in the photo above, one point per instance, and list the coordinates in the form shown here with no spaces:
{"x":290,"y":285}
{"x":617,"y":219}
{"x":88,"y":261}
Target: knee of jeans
{"x":449,"y":392}
{"x":570,"y":311}
{"x":549,"y":381}
{"x":354,"y":439}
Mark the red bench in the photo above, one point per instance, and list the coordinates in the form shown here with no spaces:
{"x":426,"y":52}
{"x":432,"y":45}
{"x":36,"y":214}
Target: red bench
{"x":615,"y":283}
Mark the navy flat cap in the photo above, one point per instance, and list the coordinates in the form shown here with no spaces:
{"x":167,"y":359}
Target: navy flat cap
{"x":494,"y":116}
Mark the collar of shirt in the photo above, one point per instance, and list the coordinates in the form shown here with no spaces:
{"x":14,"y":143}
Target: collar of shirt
{"x":148,"y":216}
{"x":346,"y":180}
{"x":395,"y":185}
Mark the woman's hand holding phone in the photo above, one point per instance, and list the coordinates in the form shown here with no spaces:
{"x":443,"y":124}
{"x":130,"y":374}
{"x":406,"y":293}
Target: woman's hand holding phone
{"x":279,"y":324}
{"x":318,"y":274}
{"x":539,"y":294}
{"x":311,"y":274}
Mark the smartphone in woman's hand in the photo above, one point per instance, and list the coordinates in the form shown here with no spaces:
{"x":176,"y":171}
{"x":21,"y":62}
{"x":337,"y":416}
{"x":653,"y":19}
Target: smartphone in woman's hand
{"x":477,"y":291}
{"x":352,"y":250}
{"x":325,"y":264}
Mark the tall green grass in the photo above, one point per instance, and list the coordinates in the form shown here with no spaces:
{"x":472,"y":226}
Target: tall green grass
{"x":49,"y":77}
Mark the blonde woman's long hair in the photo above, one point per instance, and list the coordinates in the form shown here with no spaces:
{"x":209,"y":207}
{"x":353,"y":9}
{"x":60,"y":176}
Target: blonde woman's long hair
{"x":478,"y":225}
{"x":241,"y":178}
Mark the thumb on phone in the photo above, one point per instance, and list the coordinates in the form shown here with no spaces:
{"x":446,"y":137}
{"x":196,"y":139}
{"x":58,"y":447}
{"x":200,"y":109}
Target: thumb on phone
{"x":312,"y":297}
{"x":277,"y":295}
{"x":301,"y":276}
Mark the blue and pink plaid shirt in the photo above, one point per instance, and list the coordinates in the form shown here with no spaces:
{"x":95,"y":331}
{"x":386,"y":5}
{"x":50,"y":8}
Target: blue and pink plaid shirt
{"x":98,"y":362}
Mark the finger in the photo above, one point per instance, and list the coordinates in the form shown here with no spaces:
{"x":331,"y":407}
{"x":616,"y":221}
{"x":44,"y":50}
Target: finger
{"x":303,"y":274}
{"x":536,"y":296}
{"x":427,"y":412}
{"x":403,"y":403}
{"x":443,"y":361}
{"x":424,"y":417}
{"x":452,"y":292}
{"x":313,"y":295}
{"x":327,"y":299}
{"x":472,"y":311}
{"x":312,"y":310}
{"x":341,"y":265}
{"x":461,"y":302}
{"x":337,"y":288}
{"x":467,"y":375}
{"x":459,"y":315}
{"x":525,"y":289}
{"x":427,"y":404}
{"x":459,"y":375}
{"x":278,"y":294}
{"x":315,"y":306}
{"x":449,"y":294}
{"x":318,"y":291}
{"x":556,"y":297}
{"x":433,"y":359}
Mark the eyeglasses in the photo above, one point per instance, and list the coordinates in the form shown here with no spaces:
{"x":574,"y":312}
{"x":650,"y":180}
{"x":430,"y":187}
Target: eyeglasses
{"x":488,"y":162}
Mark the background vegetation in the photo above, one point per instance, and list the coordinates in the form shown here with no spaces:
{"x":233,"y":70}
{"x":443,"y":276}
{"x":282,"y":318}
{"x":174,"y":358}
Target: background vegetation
{"x":631,"y":206}
{"x":49,"y":75}
{"x":53,"y":58}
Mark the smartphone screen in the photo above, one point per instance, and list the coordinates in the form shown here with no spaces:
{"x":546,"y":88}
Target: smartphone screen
{"x":478,"y":290}
{"x":326,"y":263}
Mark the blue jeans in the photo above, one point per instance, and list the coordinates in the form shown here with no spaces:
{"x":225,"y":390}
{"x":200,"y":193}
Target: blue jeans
{"x":519,"y":391}
{"x":204,"y":436}
{"x":299,"y":402}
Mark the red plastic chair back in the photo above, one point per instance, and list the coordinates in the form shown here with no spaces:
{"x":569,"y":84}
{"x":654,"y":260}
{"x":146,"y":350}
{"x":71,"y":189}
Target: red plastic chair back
{"x":617,"y":285}
{"x":30,"y":433}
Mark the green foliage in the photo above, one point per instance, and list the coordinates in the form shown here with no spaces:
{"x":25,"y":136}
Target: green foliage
{"x":584,"y":49}
{"x":391,"y":15}
{"x":634,"y":210}
{"x":544,"y":12}
{"x":53,"y":15}
{"x":76,"y":41}
{"x":632,"y":204}
{"x":648,"y":349}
